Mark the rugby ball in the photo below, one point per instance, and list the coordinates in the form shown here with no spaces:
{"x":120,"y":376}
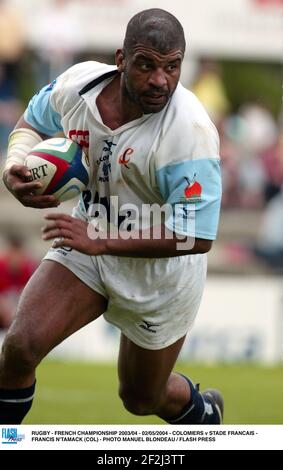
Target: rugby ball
{"x":61,"y":166}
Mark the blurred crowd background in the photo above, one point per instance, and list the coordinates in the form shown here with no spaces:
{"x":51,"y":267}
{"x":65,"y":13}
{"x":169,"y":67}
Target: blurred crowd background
{"x":233,"y":64}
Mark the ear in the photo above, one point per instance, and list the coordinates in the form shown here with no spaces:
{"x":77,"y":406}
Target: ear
{"x":120,"y":60}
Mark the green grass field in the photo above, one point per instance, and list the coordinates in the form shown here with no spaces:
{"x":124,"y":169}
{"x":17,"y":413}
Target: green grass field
{"x":86,"y":393}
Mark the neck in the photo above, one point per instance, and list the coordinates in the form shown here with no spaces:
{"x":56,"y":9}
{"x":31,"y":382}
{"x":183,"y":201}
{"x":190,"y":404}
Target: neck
{"x":128,"y":108}
{"x":114,"y":105}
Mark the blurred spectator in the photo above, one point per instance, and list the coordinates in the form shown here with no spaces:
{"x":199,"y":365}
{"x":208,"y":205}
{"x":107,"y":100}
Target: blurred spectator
{"x":250,"y":152}
{"x":57,"y":36}
{"x":10,"y":106}
{"x":261,"y":129}
{"x":210,"y":90}
{"x":270,"y":239}
{"x":12,"y":41}
{"x":16,"y":267}
{"x":272,"y":160}
{"x":269,"y":245}
{"x":11,"y":33}
{"x":230,"y":170}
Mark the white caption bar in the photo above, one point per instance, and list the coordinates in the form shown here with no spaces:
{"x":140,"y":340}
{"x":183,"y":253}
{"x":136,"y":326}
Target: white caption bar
{"x":140,"y":437}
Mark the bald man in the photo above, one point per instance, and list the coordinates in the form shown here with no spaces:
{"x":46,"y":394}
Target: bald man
{"x":150,"y":144}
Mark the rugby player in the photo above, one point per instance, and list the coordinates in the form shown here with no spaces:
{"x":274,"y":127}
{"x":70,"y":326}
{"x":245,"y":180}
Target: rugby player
{"x":149,"y":141}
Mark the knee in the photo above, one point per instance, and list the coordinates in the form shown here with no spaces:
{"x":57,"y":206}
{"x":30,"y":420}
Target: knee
{"x":20,"y":352}
{"x":138,"y":403}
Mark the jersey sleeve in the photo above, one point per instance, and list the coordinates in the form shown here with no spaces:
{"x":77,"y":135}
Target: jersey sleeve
{"x":191,"y":182}
{"x":41,"y":113}
{"x":48,"y":107}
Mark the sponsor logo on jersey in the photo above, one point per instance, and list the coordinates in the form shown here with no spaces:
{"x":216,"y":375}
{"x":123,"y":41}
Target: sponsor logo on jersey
{"x":82,"y":139}
{"x":104,"y":160}
{"x":192,"y":191}
{"x":145,"y":325}
{"x":79,"y":136}
{"x":124,"y":159}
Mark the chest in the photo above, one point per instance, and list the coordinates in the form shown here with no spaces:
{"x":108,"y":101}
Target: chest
{"x":126,"y":153}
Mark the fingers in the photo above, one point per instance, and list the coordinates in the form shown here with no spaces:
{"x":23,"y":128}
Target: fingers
{"x":63,"y":242}
{"x":60,"y":216}
{"x":16,"y":180}
{"x":67,"y":231}
{"x":59,"y":225}
{"x":58,"y":228}
{"x":39,"y":202}
{"x":70,"y":232}
{"x":21,"y":171}
{"x":25,"y":188}
{"x":57,"y":232}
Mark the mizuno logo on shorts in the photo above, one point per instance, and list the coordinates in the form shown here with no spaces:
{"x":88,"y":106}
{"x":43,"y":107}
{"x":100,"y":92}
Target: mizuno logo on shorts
{"x":148,"y":326}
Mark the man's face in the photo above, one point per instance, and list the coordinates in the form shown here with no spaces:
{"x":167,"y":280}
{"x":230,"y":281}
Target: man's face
{"x":149,"y":77}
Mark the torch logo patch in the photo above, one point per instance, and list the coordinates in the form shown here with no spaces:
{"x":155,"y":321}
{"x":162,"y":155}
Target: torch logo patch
{"x":193,"y":190}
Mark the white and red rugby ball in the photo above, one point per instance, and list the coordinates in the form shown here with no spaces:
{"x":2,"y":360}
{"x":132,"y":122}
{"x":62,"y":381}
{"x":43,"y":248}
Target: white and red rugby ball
{"x":61,"y":166}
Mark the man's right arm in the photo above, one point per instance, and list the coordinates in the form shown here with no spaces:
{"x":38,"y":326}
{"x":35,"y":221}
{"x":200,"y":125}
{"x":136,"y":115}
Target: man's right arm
{"x":41,"y":120}
{"x":23,"y":124}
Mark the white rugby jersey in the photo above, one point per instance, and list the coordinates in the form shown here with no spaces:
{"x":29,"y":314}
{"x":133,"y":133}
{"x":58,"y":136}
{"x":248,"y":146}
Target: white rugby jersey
{"x":167,"y":157}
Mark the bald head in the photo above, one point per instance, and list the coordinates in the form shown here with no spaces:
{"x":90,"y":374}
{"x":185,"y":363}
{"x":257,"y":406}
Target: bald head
{"x":155,"y":28}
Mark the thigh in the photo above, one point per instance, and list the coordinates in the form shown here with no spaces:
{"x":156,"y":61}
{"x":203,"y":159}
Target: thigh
{"x":144,"y":371}
{"x":53,"y":305}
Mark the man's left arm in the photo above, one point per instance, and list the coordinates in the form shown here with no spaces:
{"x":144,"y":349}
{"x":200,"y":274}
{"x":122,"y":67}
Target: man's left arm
{"x":82,"y":236}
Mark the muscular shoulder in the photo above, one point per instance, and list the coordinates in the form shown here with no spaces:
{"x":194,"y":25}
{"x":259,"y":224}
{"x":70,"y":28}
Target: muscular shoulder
{"x":188,"y":132}
{"x":66,"y":90}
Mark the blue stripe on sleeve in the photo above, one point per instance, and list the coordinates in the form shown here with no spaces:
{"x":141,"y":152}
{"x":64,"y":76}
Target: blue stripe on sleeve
{"x":193,"y":188}
{"x":40,"y":114}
